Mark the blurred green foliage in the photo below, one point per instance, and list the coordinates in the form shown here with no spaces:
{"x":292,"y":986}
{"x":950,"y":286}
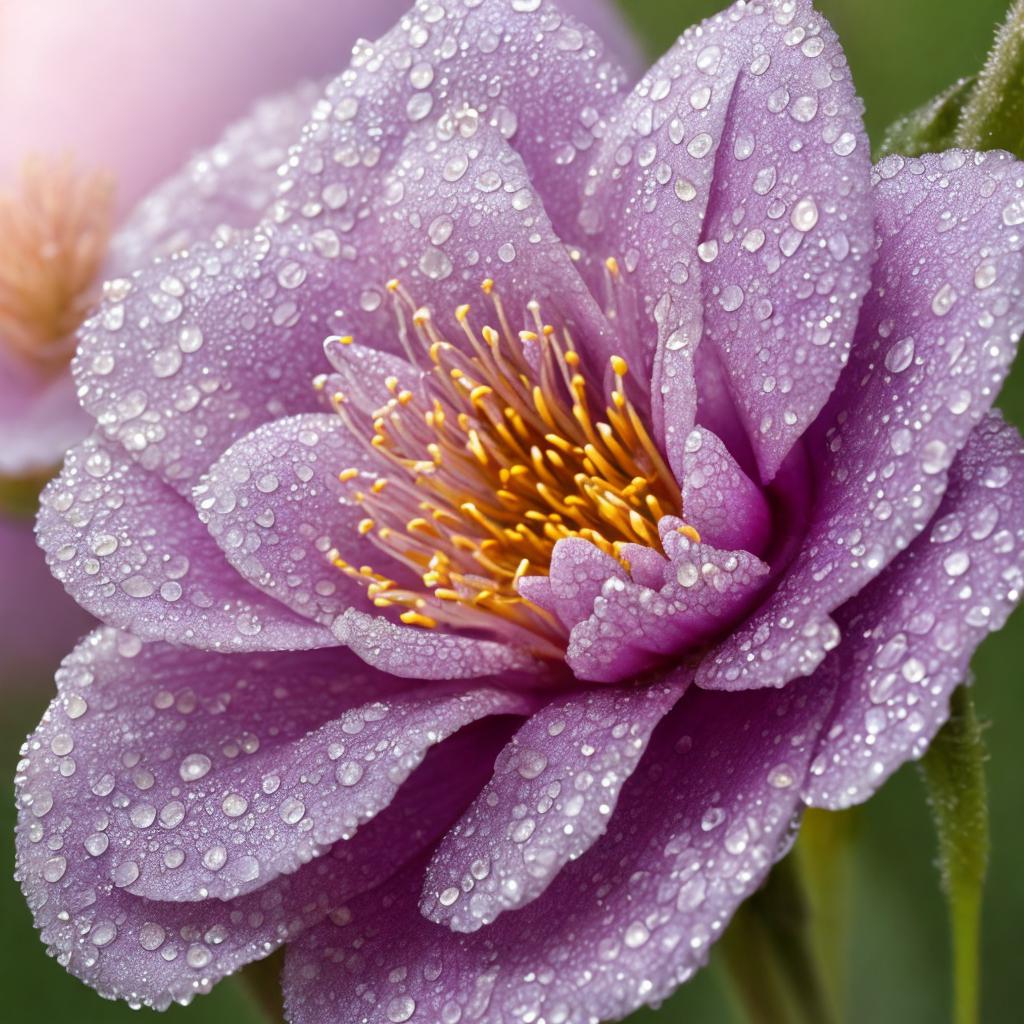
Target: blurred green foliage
{"x":902,"y":52}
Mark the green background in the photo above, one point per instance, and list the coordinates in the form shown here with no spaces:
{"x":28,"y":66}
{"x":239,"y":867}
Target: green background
{"x":898,"y":965}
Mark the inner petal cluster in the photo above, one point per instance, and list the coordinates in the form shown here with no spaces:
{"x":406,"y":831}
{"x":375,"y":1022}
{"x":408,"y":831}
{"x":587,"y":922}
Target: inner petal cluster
{"x":492,"y":451}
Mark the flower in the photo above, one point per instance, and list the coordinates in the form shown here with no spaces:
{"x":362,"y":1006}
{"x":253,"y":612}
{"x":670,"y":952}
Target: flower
{"x":71,"y":172}
{"x":645,"y":491}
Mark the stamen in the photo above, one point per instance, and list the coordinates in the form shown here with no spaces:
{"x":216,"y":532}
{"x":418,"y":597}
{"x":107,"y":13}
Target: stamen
{"x":497,"y":454}
{"x":53,"y":240}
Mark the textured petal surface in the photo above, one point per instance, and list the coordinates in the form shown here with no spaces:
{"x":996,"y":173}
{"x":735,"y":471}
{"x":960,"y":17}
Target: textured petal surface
{"x":132,"y":552}
{"x":554,"y":790}
{"x":744,"y":147}
{"x":631,"y":627}
{"x":214,"y":343}
{"x":414,"y":653}
{"x":274,"y":504}
{"x":909,"y":637}
{"x":213,"y":774}
{"x":720,"y":501}
{"x":697,"y":827}
{"x":936,"y":337}
{"x":155,"y":951}
{"x":232,"y":183}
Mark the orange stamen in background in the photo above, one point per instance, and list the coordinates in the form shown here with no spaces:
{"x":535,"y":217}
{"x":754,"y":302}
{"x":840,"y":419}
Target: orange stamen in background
{"x":54,"y":231}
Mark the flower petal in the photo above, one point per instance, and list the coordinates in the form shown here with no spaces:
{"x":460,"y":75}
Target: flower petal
{"x":720,"y":501}
{"x":909,"y":636}
{"x":132,"y":552}
{"x":697,"y":827}
{"x":215,"y":342}
{"x":39,"y":420}
{"x":274,"y":504}
{"x":744,"y":146}
{"x":554,"y":789}
{"x":630,"y":628}
{"x":230,"y":184}
{"x":937,"y":335}
{"x":210,"y":775}
{"x":420,"y":654}
{"x":155,"y":951}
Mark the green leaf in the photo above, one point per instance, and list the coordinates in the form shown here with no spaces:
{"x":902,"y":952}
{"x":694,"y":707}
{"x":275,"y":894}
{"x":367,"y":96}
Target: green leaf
{"x":770,"y":957}
{"x":825,"y":852}
{"x":932,"y":127}
{"x":954,"y":773}
{"x":993,"y":116}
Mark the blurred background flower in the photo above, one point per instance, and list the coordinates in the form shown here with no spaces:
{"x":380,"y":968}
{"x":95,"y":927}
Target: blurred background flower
{"x":76,"y":77}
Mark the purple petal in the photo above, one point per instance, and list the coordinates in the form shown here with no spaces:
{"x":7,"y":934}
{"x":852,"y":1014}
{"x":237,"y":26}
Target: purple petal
{"x":155,"y":951}
{"x":909,"y":637}
{"x":631,"y":627}
{"x":37,"y":619}
{"x":697,"y":827}
{"x":132,"y":552}
{"x":744,"y":146}
{"x":720,"y":501}
{"x":554,"y":790}
{"x":39,"y":419}
{"x":274,"y":504}
{"x":420,"y":654}
{"x":210,"y":775}
{"x":230,"y":184}
{"x":578,"y":571}
{"x":217,"y":341}
{"x":937,"y":335}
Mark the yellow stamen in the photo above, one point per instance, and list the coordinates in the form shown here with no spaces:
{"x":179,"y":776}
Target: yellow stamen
{"x":499,"y":455}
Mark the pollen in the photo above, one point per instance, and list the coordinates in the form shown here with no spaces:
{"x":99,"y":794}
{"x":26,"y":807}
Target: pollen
{"x":54,"y":231}
{"x":508,"y":443}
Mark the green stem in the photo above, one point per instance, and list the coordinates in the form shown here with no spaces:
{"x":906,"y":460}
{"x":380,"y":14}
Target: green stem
{"x":262,"y":979}
{"x":993,"y":117}
{"x":824,"y":849}
{"x":954,"y":773}
{"x":769,"y":955}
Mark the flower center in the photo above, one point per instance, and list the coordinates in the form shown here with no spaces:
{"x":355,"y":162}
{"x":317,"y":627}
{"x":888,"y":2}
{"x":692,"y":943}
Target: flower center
{"x":499,"y":449}
{"x":53,"y":239}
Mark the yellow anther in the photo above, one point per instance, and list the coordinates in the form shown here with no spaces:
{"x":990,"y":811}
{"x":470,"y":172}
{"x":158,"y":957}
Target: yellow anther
{"x":613,"y":266}
{"x":619,"y":366}
{"x":421,"y":316}
{"x":487,"y":286}
{"x":572,"y":358}
{"x":393,"y":285}
{"x":411,"y":618}
{"x":690,"y":533}
{"x":346,"y":339}
{"x":365,"y":526}
{"x":391,"y":383}
{"x":348,"y":474}
{"x":461,"y":312}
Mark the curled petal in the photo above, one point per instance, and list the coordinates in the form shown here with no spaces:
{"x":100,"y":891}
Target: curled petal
{"x":555,"y":786}
{"x":132,"y":552}
{"x":936,"y":337}
{"x":194,"y":775}
{"x":157,"y":951}
{"x":274,"y":504}
{"x":697,"y":827}
{"x":909,"y":637}
{"x":744,"y":146}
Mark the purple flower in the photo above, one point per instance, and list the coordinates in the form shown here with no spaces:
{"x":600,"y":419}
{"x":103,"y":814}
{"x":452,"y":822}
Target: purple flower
{"x":645,"y":491}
